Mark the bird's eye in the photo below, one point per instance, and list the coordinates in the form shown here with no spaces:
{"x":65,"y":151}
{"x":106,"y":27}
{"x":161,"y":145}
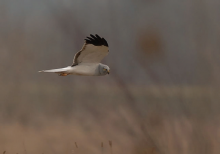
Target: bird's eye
{"x":104,"y":69}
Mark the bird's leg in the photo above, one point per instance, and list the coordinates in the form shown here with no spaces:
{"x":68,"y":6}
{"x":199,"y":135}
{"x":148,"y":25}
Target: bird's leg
{"x":63,"y":74}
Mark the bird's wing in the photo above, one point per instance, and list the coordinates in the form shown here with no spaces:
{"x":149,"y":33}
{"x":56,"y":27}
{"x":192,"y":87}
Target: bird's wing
{"x":94,"y":50}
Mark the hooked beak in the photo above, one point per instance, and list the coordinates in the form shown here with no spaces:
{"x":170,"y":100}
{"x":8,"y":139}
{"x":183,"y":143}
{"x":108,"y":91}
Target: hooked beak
{"x":108,"y":72}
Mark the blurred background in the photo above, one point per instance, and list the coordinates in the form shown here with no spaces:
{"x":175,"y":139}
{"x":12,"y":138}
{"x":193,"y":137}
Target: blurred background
{"x":161,"y":97}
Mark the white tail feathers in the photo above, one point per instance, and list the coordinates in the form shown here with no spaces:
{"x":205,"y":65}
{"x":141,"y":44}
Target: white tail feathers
{"x":59,"y":70}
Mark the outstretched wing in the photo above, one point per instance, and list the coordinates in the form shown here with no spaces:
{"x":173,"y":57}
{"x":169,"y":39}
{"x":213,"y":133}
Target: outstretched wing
{"x":94,"y":50}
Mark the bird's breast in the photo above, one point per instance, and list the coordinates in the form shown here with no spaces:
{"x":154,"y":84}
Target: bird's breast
{"x":86,"y":69}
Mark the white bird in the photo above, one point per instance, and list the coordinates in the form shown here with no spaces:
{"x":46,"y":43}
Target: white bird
{"x":87,"y":60}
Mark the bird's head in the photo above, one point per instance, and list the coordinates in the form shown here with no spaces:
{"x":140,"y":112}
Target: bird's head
{"x":104,"y":69}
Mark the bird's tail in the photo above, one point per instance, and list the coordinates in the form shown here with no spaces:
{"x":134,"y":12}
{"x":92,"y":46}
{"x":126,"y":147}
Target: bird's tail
{"x":59,"y":70}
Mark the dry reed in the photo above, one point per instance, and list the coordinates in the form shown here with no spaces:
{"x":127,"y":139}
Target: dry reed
{"x":102,"y":147}
{"x":110,"y":144}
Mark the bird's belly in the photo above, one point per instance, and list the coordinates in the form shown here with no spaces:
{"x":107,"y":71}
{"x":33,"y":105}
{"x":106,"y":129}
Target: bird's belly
{"x":86,"y":70}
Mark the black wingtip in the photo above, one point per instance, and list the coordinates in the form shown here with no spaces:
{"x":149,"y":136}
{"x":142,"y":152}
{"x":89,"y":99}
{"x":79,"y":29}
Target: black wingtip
{"x":96,"y":40}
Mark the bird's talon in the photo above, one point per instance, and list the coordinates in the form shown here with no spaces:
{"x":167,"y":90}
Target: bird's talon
{"x":63,"y":74}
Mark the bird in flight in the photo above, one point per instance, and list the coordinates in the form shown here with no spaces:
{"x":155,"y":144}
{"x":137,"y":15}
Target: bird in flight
{"x":87,"y":61}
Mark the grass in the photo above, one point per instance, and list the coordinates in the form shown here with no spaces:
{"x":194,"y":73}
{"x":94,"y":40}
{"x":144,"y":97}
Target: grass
{"x":178,"y":120}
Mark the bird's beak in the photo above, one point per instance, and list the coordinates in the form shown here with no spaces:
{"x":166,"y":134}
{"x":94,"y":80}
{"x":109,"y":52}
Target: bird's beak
{"x":108,"y":72}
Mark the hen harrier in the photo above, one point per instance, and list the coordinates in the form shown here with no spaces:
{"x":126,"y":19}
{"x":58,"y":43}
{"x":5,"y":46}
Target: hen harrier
{"x":87,"y":60}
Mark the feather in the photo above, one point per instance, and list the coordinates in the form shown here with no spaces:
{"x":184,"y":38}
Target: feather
{"x":59,"y":70}
{"x":93,"y":51}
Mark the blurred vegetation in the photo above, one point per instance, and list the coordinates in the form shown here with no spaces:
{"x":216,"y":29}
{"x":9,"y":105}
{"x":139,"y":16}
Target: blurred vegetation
{"x":162,"y":96}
